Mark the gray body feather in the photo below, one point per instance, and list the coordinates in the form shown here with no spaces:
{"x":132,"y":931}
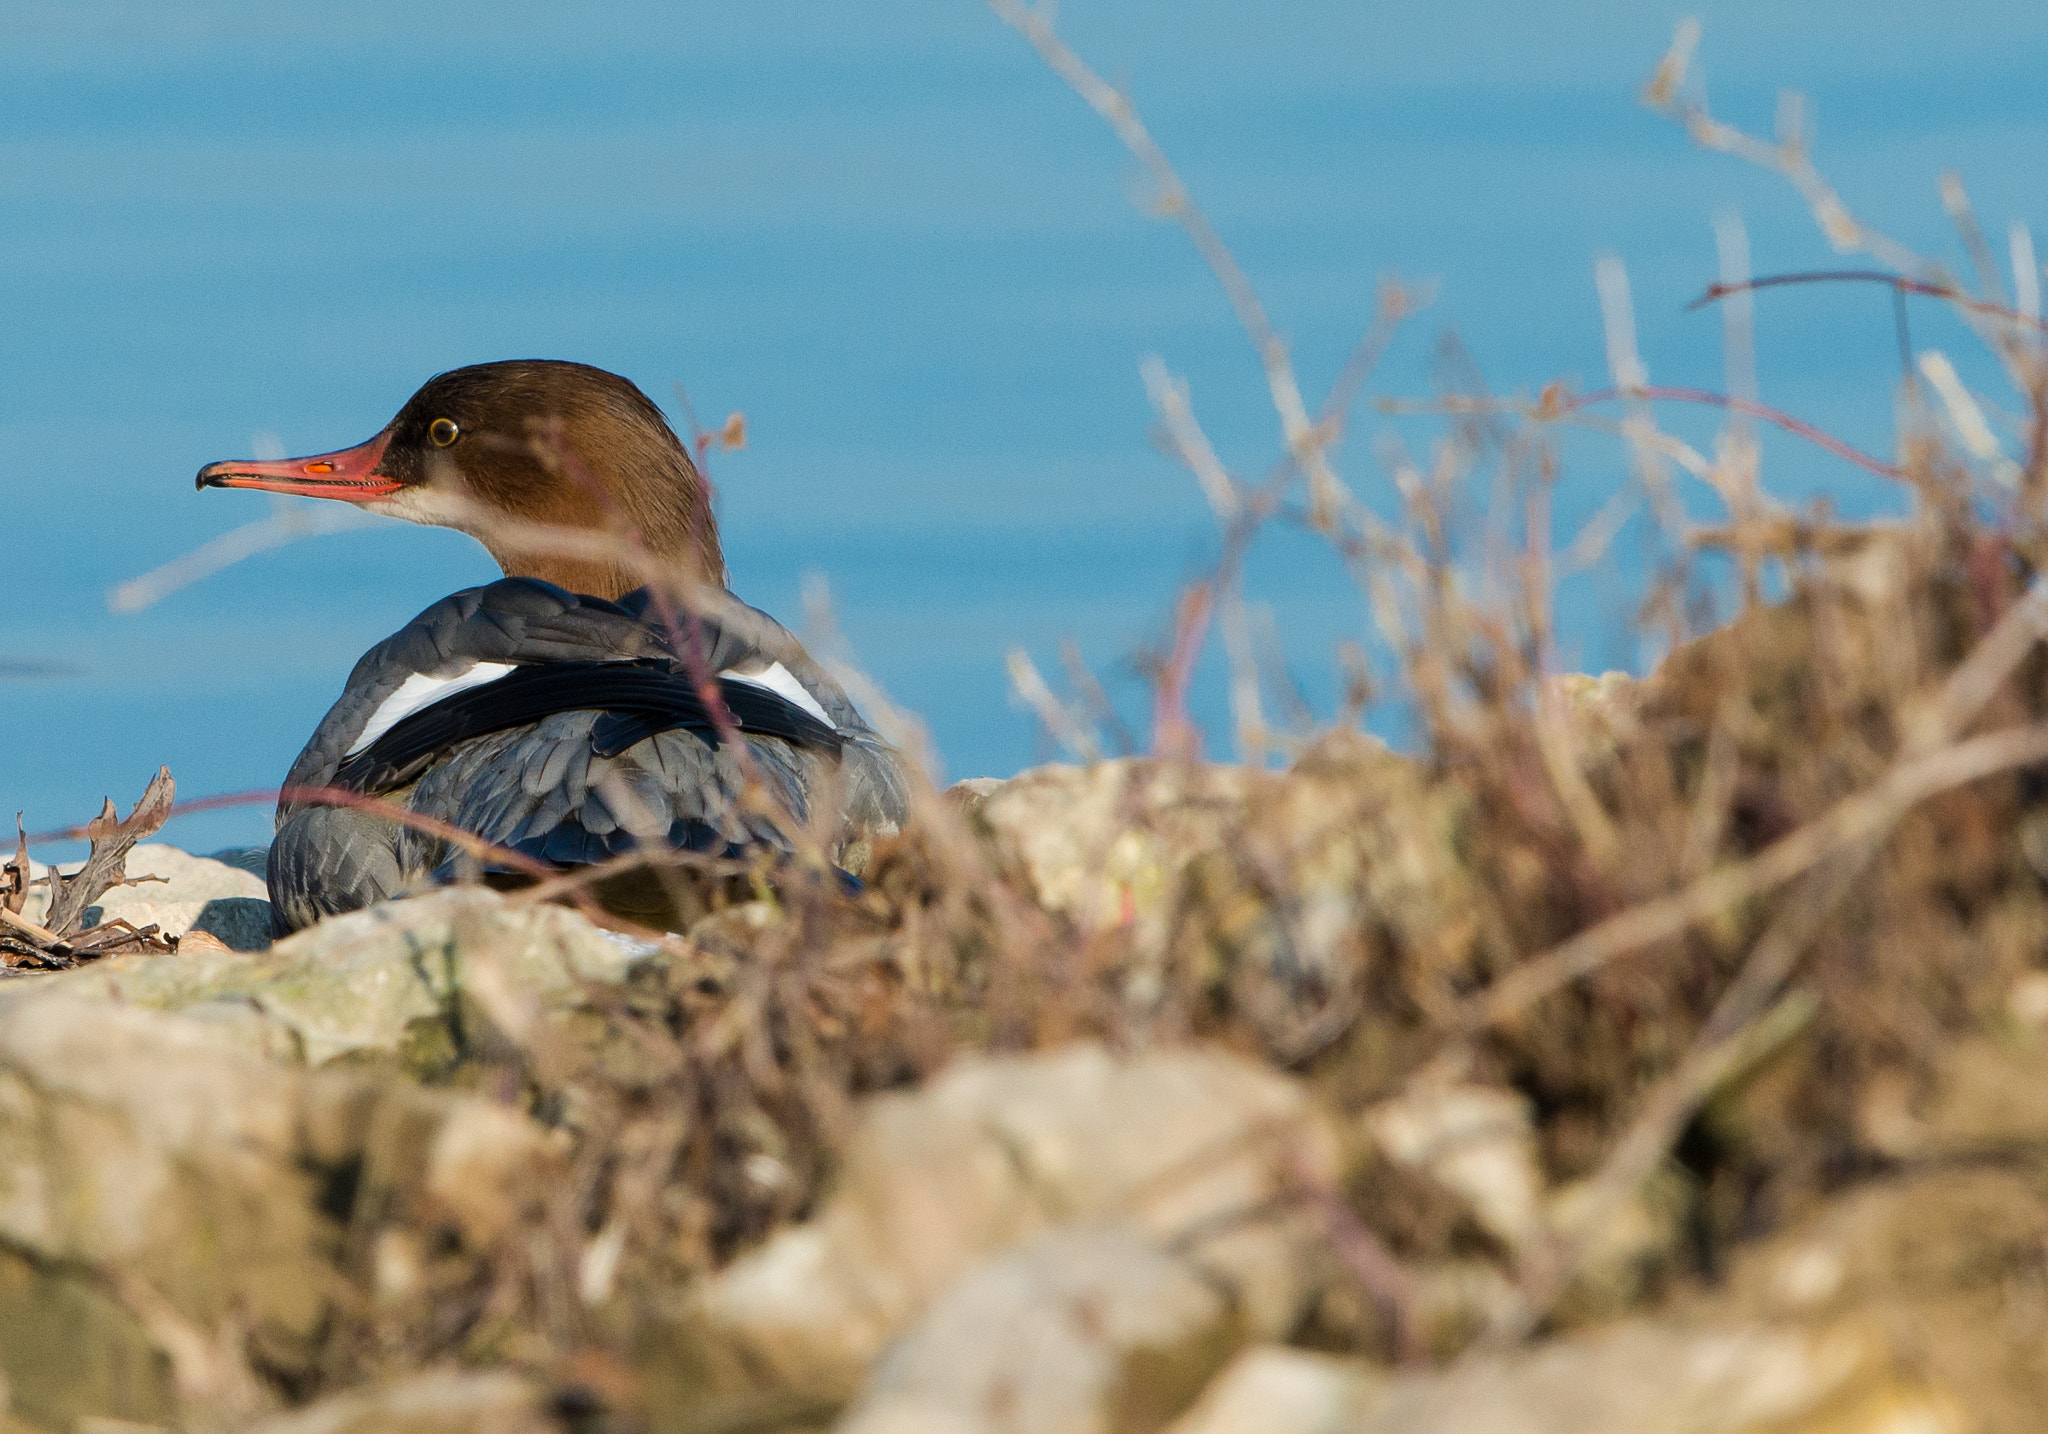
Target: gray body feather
{"x":540,"y":788}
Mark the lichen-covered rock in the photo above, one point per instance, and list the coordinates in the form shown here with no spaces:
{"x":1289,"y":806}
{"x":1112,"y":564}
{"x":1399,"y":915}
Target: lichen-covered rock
{"x":1270,"y":892}
{"x":1106,"y":844}
{"x":1351,"y":826}
{"x":1082,"y":1330}
{"x":1192,"y":1145}
{"x":370,"y":981}
{"x":1948,"y":1259}
{"x":172,"y":1206}
{"x":148,"y":1182}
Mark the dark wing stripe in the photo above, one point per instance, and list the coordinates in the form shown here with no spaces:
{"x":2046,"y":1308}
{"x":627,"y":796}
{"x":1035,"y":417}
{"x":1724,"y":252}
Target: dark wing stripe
{"x":754,"y":710}
{"x":639,"y":700}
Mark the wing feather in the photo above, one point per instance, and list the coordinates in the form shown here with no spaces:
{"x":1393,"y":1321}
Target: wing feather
{"x":645,"y":698}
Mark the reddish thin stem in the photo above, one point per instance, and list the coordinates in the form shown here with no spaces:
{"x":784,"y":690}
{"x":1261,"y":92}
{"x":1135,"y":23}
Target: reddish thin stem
{"x":456,"y":836}
{"x":466,"y":841}
{"x":1764,"y":411}
{"x":1718,"y":291}
{"x":1173,"y":731}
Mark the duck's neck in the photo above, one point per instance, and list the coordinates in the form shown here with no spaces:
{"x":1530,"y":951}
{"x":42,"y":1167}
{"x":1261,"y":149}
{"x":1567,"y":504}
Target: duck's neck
{"x":662,"y":530}
{"x":602,"y":580}
{"x":596,"y":577}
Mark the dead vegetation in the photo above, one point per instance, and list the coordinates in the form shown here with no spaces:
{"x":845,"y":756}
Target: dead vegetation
{"x":56,"y":942}
{"x":1742,"y":948}
{"x":1718,"y":931}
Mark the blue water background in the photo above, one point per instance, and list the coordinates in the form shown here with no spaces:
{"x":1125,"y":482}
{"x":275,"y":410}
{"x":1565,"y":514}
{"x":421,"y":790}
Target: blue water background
{"x":888,"y":235}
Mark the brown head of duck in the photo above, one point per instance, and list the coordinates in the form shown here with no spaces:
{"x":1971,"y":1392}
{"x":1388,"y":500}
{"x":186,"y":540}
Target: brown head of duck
{"x":551,"y":465}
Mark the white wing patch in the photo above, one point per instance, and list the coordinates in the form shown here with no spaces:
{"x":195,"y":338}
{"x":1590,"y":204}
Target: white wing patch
{"x":777,"y":679}
{"x":419,"y":691}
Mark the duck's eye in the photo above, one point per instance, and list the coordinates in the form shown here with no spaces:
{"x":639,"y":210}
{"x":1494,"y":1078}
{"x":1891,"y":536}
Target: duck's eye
{"x":444,"y":432}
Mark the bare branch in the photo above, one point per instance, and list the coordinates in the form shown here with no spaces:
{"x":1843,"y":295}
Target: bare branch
{"x":1305,"y":441}
{"x":287,"y":525}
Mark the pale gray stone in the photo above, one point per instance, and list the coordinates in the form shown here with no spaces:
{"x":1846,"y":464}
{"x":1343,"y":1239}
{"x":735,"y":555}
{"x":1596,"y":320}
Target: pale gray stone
{"x":1189,"y":1145}
{"x":1274,"y":1390}
{"x":190,"y":893}
{"x":241,"y":923}
{"x":1083,"y":1330}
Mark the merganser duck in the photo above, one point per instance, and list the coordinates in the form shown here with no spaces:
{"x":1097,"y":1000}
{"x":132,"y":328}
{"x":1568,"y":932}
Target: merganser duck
{"x":558,"y":711}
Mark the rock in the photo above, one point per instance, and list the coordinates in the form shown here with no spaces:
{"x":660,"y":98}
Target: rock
{"x":1644,"y":1377}
{"x":185,"y":878}
{"x":1105,"y":844}
{"x":79,"y":1349}
{"x":1950,"y":1259}
{"x":1274,"y":1390}
{"x":1990,"y":1101}
{"x":240,"y":923}
{"x":1273,"y":890}
{"x":1634,"y":1247}
{"x":1455,"y":1301}
{"x":439,"y":1402}
{"x":1088,"y":1330}
{"x":191,"y":888}
{"x":237,"y":923}
{"x":1936,"y":1232}
{"x":368,"y":981}
{"x":169,"y":1204}
{"x":149,"y":1189}
{"x":1191,"y":1144}
{"x":1477,"y":1142}
{"x":195,"y":893}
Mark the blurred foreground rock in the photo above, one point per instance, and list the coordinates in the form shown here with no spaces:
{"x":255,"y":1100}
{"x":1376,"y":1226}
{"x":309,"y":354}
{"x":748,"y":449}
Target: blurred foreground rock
{"x":173,"y":1209}
{"x":1637,"y":1378}
{"x":1192,"y":1150}
{"x":364,"y":1171}
{"x":442,"y":1402}
{"x":1271,"y":1389}
{"x":1103,"y":1330}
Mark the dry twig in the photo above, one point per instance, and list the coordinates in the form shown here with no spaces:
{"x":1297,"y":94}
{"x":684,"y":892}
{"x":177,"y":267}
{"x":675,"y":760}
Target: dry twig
{"x":107,"y":866}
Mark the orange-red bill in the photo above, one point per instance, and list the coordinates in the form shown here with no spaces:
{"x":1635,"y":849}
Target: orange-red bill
{"x":350,"y":474}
